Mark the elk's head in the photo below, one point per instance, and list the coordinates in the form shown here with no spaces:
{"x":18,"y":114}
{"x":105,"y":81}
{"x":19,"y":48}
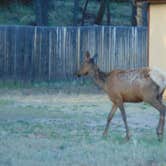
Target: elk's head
{"x":87,"y":66}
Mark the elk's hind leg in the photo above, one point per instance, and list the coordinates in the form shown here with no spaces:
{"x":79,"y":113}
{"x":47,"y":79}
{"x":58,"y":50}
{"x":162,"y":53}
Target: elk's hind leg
{"x":123,"y":113}
{"x":110,"y":116}
{"x":162,"y":109}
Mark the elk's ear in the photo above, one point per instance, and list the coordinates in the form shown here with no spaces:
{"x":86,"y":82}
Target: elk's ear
{"x":87,"y":56}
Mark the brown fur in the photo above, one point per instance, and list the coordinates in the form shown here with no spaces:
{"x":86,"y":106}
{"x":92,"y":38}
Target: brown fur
{"x":126,"y":86}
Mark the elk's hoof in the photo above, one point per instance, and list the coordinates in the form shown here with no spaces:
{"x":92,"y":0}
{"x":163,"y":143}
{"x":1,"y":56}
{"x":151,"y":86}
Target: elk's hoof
{"x":159,"y":134}
{"x":160,"y":137}
{"x":128,"y":136}
{"x":104,"y":134}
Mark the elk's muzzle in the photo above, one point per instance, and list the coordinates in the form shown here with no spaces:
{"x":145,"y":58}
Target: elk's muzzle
{"x":77,"y":74}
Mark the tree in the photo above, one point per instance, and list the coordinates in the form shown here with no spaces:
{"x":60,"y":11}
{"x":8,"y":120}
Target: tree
{"x":75,"y":12}
{"x":8,"y":2}
{"x":141,"y":13}
{"x":83,"y":12}
{"x":108,"y":12}
{"x":26,"y":2}
{"x":134,"y":13}
{"x":101,"y":12}
{"x":41,"y":10}
{"x":5,"y":2}
{"x":145,"y":15}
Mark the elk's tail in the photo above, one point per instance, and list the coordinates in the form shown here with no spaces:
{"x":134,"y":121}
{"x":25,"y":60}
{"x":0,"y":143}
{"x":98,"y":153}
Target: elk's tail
{"x":159,"y":77}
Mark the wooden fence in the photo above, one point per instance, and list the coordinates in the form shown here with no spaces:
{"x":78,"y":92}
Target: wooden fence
{"x":50,"y":53}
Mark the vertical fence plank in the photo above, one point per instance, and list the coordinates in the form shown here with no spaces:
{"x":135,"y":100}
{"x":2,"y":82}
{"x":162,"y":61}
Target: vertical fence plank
{"x":50,"y":53}
{"x":2,"y":52}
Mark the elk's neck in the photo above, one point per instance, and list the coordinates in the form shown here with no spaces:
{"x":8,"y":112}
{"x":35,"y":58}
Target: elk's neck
{"x":100,"y":78}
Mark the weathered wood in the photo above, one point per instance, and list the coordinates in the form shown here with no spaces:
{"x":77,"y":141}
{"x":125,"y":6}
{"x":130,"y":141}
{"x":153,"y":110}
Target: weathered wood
{"x":50,"y":53}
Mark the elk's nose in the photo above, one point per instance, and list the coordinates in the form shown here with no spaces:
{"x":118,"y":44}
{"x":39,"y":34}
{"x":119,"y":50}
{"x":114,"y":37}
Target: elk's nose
{"x":78,"y":75}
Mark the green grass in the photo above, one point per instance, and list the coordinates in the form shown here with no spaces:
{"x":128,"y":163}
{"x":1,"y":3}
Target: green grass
{"x":66,"y":129}
{"x":62,"y":86}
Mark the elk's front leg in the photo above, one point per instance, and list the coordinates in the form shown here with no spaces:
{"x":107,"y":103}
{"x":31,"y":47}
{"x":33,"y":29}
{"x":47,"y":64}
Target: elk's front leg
{"x":110,"y":116}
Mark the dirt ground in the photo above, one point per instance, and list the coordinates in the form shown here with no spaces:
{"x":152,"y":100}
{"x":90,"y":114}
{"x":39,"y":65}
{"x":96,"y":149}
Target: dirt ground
{"x":46,"y":128}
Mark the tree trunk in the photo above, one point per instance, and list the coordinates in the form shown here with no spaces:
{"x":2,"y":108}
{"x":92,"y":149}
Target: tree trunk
{"x":145,"y":16}
{"x":139,"y":12}
{"x":41,"y":10}
{"x":101,"y":12}
{"x":134,"y":13}
{"x":75,"y":12}
{"x":83,"y":13}
{"x":108,"y":12}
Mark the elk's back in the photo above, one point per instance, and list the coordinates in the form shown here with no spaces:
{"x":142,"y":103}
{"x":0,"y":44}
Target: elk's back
{"x":129,"y":85}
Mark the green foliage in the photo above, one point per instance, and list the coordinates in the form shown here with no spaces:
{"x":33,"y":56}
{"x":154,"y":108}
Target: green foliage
{"x":8,"y":2}
{"x":17,"y":14}
{"x":61,"y":13}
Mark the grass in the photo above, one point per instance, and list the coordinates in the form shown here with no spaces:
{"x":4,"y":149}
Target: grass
{"x":62,"y":86}
{"x":66,"y":129}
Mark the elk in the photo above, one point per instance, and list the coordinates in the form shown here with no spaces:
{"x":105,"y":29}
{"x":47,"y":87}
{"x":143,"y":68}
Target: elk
{"x":136,"y":85}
